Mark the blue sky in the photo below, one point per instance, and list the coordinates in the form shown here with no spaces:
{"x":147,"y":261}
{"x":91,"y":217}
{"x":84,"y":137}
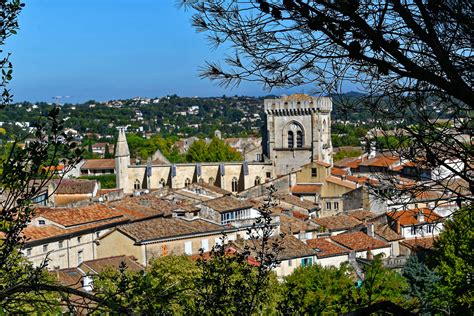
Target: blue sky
{"x":110,"y":49}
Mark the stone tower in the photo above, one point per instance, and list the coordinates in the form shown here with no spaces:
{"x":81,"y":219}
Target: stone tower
{"x":122,"y":161}
{"x":297,"y":131}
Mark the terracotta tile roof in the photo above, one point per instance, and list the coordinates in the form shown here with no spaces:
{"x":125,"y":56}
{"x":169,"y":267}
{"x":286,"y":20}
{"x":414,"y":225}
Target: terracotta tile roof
{"x":418,"y":244}
{"x":74,"y":186}
{"x":325,"y":248}
{"x":158,"y":228}
{"x":65,"y":200}
{"x":99,"y":265}
{"x":339,"y":181}
{"x":337,"y":222}
{"x":361,"y":215}
{"x":322,"y":163}
{"x":73,"y":216}
{"x":411,"y":217}
{"x":384,"y":231}
{"x":358,"y":241}
{"x":338,"y":172}
{"x":139,"y":207}
{"x":306,"y":188}
{"x":349,"y":162}
{"x":99,"y":164}
{"x":380,"y":161}
{"x":70,"y":277}
{"x":292,"y":225}
{"x":212,"y":188}
{"x":296,"y":201}
{"x":227,"y":203}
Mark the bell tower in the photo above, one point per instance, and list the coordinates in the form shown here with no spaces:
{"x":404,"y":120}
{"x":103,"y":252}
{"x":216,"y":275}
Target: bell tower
{"x":122,"y":161}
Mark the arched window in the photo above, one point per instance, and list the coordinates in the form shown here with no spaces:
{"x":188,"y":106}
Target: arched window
{"x":235,"y":185}
{"x":137,"y":185}
{"x":211,"y":181}
{"x":187,"y":182}
{"x":201,"y":180}
{"x":257,"y":180}
{"x":299,"y":139}
{"x":290,"y":139}
{"x":162,"y":183}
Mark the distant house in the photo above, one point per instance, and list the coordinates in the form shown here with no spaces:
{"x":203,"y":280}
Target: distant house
{"x":415,"y":223}
{"x":94,"y":167}
{"x":68,"y":191}
{"x":328,"y":253}
{"x":100,"y":148}
{"x":228,"y":209}
{"x":362,"y":245}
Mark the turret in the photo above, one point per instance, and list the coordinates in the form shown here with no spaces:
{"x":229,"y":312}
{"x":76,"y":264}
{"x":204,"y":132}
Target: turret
{"x":122,"y":161}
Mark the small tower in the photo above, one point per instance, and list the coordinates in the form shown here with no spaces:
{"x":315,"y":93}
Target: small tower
{"x":122,"y":161}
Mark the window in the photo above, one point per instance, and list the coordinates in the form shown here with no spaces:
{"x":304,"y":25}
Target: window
{"x":211,"y":181}
{"x":136,"y":185}
{"x":299,"y":139}
{"x":306,"y":262}
{"x":336,"y":205}
{"x":45,"y":248}
{"x":314,"y":172}
{"x":290,"y":262}
{"x":162,"y":183}
{"x":269,"y":174}
{"x":205,"y":245}
{"x":28,"y":251}
{"x":60,"y":244}
{"x":80,"y":257}
{"x":429,"y":228}
{"x":235,"y":186}
{"x":290,"y":139}
{"x":259,"y":157}
{"x":79,"y":239}
{"x":41,"y":222}
{"x":187,"y":182}
{"x":413,"y":230}
{"x":201,"y":180}
{"x":257,"y":180}
{"x":188,"y":247}
{"x":328,"y":205}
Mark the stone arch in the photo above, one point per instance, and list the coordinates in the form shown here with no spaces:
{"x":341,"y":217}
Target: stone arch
{"x":258,"y":180}
{"x":291,"y":132}
{"x":137,"y":185}
{"x":235,"y":184}
{"x":211,"y":181}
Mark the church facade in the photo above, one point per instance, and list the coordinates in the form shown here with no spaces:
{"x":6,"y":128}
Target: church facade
{"x":296,"y":132}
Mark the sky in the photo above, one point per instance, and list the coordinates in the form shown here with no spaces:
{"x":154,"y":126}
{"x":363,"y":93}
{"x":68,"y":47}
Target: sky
{"x":112,"y":49}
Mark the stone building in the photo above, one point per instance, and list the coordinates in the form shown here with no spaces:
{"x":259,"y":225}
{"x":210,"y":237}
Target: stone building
{"x":297,"y":131}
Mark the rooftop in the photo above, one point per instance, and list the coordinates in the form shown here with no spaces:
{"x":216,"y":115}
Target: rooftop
{"x":99,"y":265}
{"x":73,"y":216}
{"x":306,"y":188}
{"x":296,"y":201}
{"x":227,"y":204}
{"x":75,"y":186}
{"x":338,"y":222}
{"x":418,"y":244}
{"x":159,"y":228}
{"x":98,"y":164}
{"x":380,"y":161}
{"x":325,"y":248}
{"x":412,"y":217}
{"x":361,"y":215}
{"x":384,"y":231}
{"x":358,"y":241}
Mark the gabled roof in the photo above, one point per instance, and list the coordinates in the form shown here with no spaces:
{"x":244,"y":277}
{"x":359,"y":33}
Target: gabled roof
{"x":99,"y":265}
{"x":292,"y":225}
{"x":325,"y":248}
{"x":98,"y":164}
{"x":227,"y":204}
{"x":307,"y":188}
{"x":358,"y":241}
{"x":72,"y":216}
{"x":161,"y":228}
{"x":380,"y":161}
{"x":338,"y":222}
{"x":411,"y":217}
{"x":418,"y":244}
{"x":296,"y":201}
{"x":361,"y":215}
{"x":384,"y":231}
{"x":344,"y":183}
{"x":75,"y":186}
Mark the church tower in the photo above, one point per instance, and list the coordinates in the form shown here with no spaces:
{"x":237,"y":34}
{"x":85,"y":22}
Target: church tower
{"x":122,"y":161}
{"x":297,"y":131}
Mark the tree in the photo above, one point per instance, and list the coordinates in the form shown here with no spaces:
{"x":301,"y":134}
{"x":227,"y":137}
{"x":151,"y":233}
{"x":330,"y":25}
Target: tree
{"x":453,"y":261}
{"x":412,"y":59}
{"x":197,"y":152}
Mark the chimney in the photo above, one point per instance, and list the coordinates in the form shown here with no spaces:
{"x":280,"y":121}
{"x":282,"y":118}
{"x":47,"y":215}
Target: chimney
{"x":421,"y":216}
{"x":370,"y":230}
{"x":370,"y":255}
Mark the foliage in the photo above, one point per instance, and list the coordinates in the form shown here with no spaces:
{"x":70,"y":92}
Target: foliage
{"x":423,"y":285}
{"x":144,"y":148}
{"x":216,"y":150}
{"x":454,"y":259}
{"x":341,"y":154}
{"x":316,"y":290}
{"x":107,"y":181}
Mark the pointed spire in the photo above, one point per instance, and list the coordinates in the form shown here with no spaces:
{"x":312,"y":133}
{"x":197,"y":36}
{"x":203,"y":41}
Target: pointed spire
{"x":121,"y":149}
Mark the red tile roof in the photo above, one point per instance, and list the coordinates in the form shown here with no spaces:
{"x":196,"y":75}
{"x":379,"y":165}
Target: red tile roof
{"x":339,"y":181}
{"x":361,"y":215}
{"x":338,"y":222}
{"x":358,"y":241}
{"x":419,"y":243}
{"x":411,"y":217}
{"x":384,"y":231}
{"x":380,"y":161}
{"x":227,"y":204}
{"x":99,"y":164}
{"x":325,"y":248}
{"x":99,"y":265}
{"x":75,"y":186}
{"x":73,"y":216}
{"x":296,"y":201}
{"x":349,"y":162}
{"x":338,"y":172}
{"x":306,"y":188}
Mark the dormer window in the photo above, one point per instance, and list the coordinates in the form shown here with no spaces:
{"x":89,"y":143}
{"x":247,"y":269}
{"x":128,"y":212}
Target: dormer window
{"x":41,"y":222}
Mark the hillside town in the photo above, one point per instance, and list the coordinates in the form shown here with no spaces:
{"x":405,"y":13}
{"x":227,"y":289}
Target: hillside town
{"x":325,"y":212}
